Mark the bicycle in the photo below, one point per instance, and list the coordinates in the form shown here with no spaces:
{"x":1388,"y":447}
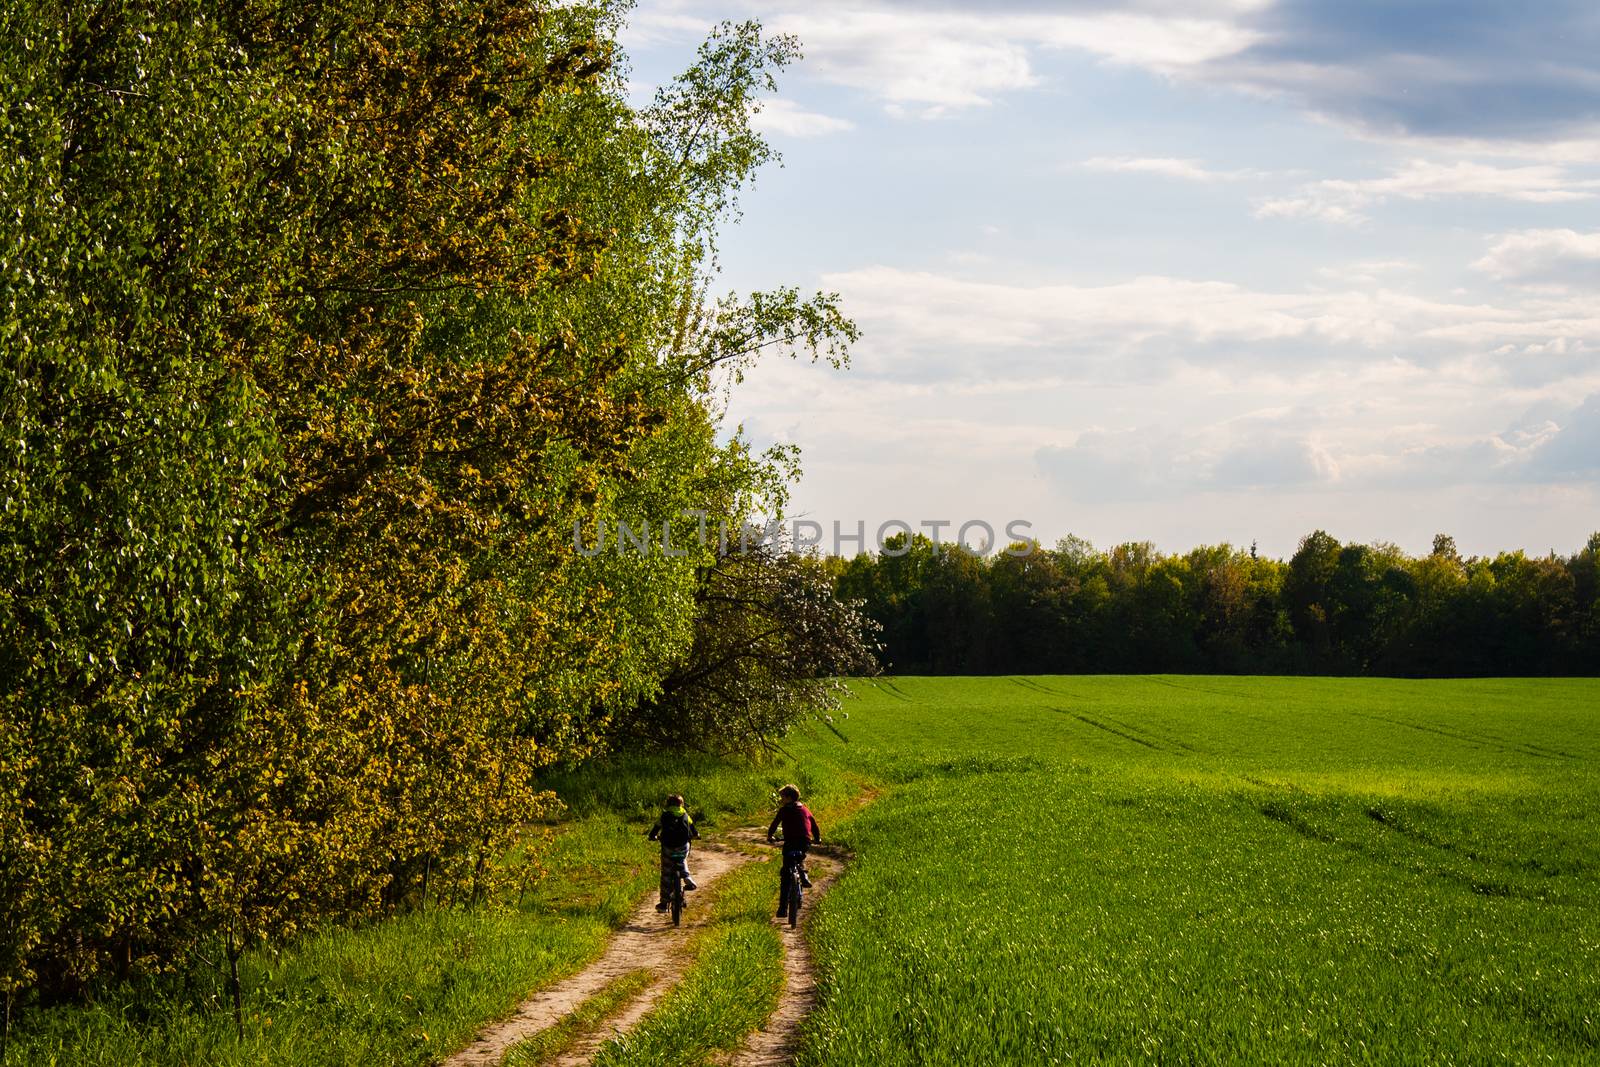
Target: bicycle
{"x":791,"y":887}
{"x":675,"y":889}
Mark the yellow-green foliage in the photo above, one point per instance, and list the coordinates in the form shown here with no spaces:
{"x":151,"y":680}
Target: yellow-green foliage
{"x":322,"y":325}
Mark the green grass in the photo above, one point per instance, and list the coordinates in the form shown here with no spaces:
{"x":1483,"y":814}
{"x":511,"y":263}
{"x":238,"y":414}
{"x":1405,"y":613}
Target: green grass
{"x":719,"y":793}
{"x":730,"y":989}
{"x":550,"y":1043}
{"x":1218,"y":870}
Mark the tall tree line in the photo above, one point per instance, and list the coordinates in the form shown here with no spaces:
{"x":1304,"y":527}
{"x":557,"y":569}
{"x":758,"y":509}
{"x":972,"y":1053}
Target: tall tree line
{"x":1332,"y":608}
{"x":321,"y":328}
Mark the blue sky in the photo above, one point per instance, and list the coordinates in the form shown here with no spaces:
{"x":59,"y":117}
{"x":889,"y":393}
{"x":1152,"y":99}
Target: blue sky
{"x":1221,"y":270}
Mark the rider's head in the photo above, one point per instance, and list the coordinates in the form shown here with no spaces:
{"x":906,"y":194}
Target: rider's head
{"x":789,"y":793}
{"x":675,"y":800}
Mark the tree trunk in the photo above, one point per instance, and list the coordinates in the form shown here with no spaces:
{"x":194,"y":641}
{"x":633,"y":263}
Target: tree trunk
{"x":234,"y":951}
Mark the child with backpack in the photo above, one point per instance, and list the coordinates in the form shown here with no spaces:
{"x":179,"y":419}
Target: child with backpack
{"x":674,"y":829}
{"x":800,"y":832}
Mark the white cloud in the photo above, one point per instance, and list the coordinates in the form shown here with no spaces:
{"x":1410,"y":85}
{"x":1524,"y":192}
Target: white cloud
{"x":1565,"y":449}
{"x":1381,"y":448}
{"x":786,"y":118}
{"x":1308,"y":448}
{"x":1573,"y":450}
{"x":662,"y":24}
{"x":1310,"y":207}
{"x":1187,"y":169}
{"x":1153,"y":461}
{"x":1544,"y":257}
{"x":1125,"y":464}
{"x":1421,"y":179}
{"x":1342,"y":201}
{"x":1270,"y":461}
{"x":1579,"y":151}
{"x":1160,"y":42}
{"x":939,"y":62}
{"x":929,"y":63}
{"x":1459,"y":72}
{"x":915,"y":315}
{"x":1365,"y":272}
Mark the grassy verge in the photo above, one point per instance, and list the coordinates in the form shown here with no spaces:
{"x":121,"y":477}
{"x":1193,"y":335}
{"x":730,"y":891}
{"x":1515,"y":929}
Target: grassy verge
{"x":546,"y":1045}
{"x":730,"y":989}
{"x":719,"y":793}
{"x":402,"y":991}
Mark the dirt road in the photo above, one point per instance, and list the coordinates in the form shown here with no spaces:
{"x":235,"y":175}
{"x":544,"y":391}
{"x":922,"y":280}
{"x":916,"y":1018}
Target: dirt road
{"x":648,"y":942}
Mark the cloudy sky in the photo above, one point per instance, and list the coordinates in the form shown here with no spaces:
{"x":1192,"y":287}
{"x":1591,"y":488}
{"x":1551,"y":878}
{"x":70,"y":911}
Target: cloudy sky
{"x":1200,"y":271}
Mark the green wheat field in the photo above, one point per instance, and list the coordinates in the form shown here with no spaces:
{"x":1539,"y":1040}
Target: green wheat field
{"x":1210,"y":870}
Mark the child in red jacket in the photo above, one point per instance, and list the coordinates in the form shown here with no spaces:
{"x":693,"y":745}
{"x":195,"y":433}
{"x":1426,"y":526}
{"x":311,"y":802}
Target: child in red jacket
{"x":800,"y":832}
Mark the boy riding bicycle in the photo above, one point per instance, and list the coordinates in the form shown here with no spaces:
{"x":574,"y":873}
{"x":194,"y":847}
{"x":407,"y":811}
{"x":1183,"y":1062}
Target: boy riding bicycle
{"x":674,"y":829}
{"x":800,"y":832}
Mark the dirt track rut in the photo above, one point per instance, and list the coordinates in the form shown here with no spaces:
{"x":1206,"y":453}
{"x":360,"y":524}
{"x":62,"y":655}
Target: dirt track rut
{"x":647,"y":942}
{"x":775,"y":1042}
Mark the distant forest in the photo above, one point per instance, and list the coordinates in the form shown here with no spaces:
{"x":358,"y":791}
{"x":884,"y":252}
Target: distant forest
{"x":1330,"y":609}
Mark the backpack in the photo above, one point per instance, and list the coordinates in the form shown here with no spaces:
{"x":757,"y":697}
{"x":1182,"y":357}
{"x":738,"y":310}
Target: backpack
{"x":674,"y":830}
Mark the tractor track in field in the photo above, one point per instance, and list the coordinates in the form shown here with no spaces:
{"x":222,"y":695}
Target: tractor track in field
{"x":774,"y":1043}
{"x":649,"y":942}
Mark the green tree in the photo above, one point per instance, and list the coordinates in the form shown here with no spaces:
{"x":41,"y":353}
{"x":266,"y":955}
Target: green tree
{"x":323,"y":327}
{"x":1306,"y":593}
{"x":1585,"y":569}
{"x":1086,"y":592}
{"x":1031,"y":623}
{"x":957,"y":615}
{"x":772,"y":643}
{"x":1223,"y":605}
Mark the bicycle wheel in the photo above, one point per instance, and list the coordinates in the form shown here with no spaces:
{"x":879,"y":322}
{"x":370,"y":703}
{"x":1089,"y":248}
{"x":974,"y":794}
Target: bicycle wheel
{"x":794,"y":895}
{"x":677,"y":904}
